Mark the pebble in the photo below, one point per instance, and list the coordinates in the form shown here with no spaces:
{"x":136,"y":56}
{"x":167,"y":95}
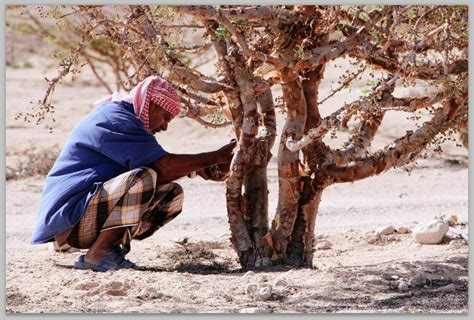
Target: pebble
{"x":373,"y":240}
{"x":248,"y":274}
{"x":404,"y":230}
{"x":182,"y":240}
{"x":403,"y":286}
{"x":254,"y":310}
{"x":384,"y":230}
{"x":264,"y":293}
{"x":323,"y":245}
{"x":431,"y":232}
{"x":280,"y":283}
{"x":251,"y":288}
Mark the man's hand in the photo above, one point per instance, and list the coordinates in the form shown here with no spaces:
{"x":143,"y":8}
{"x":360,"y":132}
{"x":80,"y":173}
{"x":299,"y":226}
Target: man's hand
{"x":218,"y":172}
{"x":226,"y":152}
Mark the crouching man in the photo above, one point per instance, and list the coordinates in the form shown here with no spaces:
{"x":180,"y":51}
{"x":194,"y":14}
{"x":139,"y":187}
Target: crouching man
{"x":112,"y":181}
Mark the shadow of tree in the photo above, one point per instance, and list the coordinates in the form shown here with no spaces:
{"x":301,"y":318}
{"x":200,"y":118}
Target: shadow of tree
{"x":443,"y":287}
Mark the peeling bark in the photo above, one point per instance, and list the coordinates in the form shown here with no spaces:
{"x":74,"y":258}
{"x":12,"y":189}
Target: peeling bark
{"x":288,"y":169}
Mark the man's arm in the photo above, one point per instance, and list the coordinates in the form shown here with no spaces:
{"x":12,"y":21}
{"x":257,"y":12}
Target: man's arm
{"x":174,"y":166}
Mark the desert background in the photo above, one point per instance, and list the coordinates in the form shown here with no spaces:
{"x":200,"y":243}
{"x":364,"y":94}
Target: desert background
{"x":189,"y":266}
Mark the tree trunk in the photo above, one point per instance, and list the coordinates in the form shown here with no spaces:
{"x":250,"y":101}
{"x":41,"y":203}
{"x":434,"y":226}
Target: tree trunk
{"x":288,"y":169}
{"x":301,"y":247}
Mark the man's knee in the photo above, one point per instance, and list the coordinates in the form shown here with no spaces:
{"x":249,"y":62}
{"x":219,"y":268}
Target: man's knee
{"x":144,"y":181}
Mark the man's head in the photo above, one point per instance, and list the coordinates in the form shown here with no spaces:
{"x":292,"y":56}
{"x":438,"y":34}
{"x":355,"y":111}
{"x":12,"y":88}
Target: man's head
{"x":158,"y":118}
{"x":156,"y":103}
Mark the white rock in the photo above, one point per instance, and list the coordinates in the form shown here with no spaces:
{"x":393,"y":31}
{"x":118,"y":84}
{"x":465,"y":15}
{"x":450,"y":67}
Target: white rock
{"x":264,"y":292}
{"x":182,"y":240}
{"x":431,"y":232}
{"x":323,"y":245}
{"x":248,"y":274}
{"x":280,"y":283}
{"x":404,"y":230}
{"x":403,"y":286}
{"x":251,"y":288}
{"x":254,"y":310}
{"x":384,"y":230}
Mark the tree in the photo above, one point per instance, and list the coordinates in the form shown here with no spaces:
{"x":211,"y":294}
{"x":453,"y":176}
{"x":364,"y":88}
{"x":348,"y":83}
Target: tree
{"x":259,"y":47}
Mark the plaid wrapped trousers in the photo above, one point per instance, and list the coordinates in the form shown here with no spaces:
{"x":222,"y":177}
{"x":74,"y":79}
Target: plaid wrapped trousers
{"x":132,"y":201}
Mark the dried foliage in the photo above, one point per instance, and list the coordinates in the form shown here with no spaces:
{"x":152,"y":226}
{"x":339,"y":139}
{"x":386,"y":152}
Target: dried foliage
{"x":259,"y":47}
{"x":33,"y":162}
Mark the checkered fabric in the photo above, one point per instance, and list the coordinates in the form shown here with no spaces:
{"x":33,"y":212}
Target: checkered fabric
{"x":132,"y":201}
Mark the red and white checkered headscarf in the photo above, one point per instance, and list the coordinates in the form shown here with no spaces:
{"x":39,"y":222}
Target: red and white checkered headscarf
{"x":152,"y":89}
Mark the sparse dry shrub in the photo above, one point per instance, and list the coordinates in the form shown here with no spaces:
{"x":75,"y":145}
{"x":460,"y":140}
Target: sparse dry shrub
{"x":33,"y":162}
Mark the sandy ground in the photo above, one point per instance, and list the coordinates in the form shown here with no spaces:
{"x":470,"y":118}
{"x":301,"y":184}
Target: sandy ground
{"x":357,"y":274}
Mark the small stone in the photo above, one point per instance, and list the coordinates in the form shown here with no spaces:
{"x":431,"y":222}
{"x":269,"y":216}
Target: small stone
{"x":264,"y":292}
{"x":403,"y":286}
{"x":404,"y":230}
{"x":417,"y":280}
{"x":373,"y":240}
{"x":251,"y":288}
{"x":430,"y":233}
{"x":254,"y":310}
{"x":384,"y":231}
{"x":182,"y":240}
{"x":280,"y":283}
{"x":323,"y":245}
{"x":248,"y":274}
{"x":177,"y":265}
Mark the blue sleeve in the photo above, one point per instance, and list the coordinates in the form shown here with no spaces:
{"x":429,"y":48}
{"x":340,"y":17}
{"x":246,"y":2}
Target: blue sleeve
{"x":130,"y":145}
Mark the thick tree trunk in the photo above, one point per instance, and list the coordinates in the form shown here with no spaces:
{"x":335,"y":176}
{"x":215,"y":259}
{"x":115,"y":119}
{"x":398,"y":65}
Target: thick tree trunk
{"x":300,"y":250}
{"x":288,"y":169}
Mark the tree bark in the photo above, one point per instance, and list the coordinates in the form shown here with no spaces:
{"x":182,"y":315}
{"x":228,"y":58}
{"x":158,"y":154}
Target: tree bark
{"x":288,"y":169}
{"x":300,"y":250}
